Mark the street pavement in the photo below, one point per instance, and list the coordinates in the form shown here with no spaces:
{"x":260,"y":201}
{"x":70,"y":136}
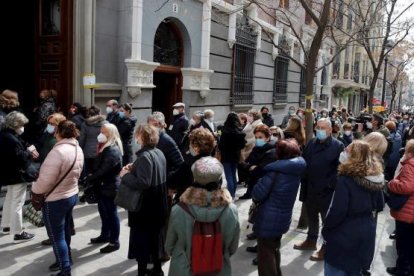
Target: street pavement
{"x":31,"y":258}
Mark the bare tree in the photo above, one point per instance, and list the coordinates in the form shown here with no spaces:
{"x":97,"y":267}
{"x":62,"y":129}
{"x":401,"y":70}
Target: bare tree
{"x":382,"y":25}
{"x":320,"y":16}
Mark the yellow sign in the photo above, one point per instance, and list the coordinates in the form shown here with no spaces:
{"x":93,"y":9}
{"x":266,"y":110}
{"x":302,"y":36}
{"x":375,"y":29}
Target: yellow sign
{"x":89,"y":81}
{"x":378,"y":108}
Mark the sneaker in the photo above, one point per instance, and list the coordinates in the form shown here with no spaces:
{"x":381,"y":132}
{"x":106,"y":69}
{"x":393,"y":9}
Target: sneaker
{"x":306,"y":245}
{"x":6,"y":230}
{"x":23,"y":237}
{"x":251,"y":236}
{"x":109,"y":248}
{"x":54,"y":267}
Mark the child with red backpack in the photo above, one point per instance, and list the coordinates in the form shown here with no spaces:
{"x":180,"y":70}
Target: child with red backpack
{"x":204,"y":227}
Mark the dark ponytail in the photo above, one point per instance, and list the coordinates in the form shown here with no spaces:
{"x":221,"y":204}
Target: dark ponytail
{"x":67,"y":129}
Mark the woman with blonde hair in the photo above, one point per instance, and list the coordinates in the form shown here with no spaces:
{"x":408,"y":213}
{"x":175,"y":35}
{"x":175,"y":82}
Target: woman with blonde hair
{"x":378,"y":143}
{"x":105,"y":180}
{"x":350,"y":223}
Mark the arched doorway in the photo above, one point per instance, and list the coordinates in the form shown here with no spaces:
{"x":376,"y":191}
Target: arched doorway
{"x":169,"y":52}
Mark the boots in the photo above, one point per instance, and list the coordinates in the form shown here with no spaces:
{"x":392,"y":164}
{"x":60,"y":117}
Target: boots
{"x":306,"y":245}
{"x":318,"y":256}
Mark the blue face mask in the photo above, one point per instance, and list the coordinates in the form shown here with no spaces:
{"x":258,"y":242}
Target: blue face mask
{"x":260,"y":142}
{"x":50,"y":129}
{"x":121,"y":114}
{"x":321,"y":134}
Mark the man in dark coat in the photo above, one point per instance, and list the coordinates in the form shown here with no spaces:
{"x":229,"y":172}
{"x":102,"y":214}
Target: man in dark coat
{"x":166,"y":144}
{"x":267,"y":118}
{"x":180,"y":124}
{"x":322,"y":157}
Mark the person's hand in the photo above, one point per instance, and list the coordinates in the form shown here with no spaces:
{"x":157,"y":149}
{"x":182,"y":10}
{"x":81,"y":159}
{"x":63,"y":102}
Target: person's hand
{"x":35,"y":154}
{"x":33,"y":151}
{"x":123,"y":172}
{"x":252,"y":168}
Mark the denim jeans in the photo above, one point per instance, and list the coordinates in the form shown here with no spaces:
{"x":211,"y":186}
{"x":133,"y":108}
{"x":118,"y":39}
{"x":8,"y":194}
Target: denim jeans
{"x":333,"y":271}
{"x":230,"y":172}
{"x":57,"y":216}
{"x":109,"y":217}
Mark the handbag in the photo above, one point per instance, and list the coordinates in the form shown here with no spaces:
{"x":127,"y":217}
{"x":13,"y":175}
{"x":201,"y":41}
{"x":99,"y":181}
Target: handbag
{"x":130,"y":198}
{"x":89,"y":194}
{"x":393,"y":200}
{"x":33,"y":216}
{"x":38,"y":200}
{"x":31,"y":172}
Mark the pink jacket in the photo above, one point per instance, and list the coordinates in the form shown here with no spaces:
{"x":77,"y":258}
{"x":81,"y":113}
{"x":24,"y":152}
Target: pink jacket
{"x":403,"y":183}
{"x":55,"y":166}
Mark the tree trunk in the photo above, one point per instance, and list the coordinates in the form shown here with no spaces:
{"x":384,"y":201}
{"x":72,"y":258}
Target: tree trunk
{"x":372,"y":90}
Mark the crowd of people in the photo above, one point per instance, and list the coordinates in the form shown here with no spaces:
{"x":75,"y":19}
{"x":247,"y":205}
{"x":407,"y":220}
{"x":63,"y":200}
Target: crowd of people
{"x":185,"y":174}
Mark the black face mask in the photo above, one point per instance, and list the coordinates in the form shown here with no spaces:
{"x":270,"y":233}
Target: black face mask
{"x":265,"y":115}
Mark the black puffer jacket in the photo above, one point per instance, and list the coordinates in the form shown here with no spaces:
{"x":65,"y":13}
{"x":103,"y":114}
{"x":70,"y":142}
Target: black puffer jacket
{"x":105,"y":177}
{"x":15,"y":155}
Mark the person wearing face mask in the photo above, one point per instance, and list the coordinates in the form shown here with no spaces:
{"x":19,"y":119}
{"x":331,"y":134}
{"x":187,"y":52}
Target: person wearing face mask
{"x":318,"y":183}
{"x":202,"y":144}
{"x":262,"y":154}
{"x":46,"y":107}
{"x":267,"y":118}
{"x":105,"y":180}
{"x":291,"y":113}
{"x":148,"y":173}
{"x":180,"y":124}
{"x":196,"y":122}
{"x":347,"y":136}
{"x":166,"y":144}
{"x":18,"y":157}
{"x":48,"y":139}
{"x":208,"y":121}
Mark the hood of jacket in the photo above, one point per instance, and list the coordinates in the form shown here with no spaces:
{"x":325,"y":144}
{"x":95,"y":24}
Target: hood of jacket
{"x":371,"y":183}
{"x":97,"y":119}
{"x":294,"y":166}
{"x":204,"y":205}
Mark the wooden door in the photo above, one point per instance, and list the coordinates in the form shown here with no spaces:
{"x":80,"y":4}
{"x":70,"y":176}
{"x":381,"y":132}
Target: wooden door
{"x":54,"y":49}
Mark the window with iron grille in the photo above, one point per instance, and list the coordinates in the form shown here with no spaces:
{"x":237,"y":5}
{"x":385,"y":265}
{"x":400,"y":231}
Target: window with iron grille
{"x":281,"y":80}
{"x":243,"y":64}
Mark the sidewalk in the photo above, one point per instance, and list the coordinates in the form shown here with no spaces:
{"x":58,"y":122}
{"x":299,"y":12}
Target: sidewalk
{"x":33,"y":259}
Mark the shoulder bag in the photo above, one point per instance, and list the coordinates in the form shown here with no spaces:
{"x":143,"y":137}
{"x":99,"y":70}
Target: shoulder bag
{"x":130,"y":198}
{"x":38,"y":200}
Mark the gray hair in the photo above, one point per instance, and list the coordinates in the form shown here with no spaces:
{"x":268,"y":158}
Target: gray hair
{"x":15,"y":119}
{"x":157,"y":116}
{"x":326,"y":121}
{"x":208,"y":113}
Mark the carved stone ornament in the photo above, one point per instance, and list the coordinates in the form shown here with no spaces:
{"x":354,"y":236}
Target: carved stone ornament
{"x":139,"y":75}
{"x":197,"y":80}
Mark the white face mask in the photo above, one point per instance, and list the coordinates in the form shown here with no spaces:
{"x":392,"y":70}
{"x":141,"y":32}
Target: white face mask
{"x":192,"y":122}
{"x":274,"y":138}
{"x":108,"y":110}
{"x":102,"y":138}
{"x":369,"y":125}
{"x":20,"y":130}
{"x":343,"y":157}
{"x":176,"y":112}
{"x":348,"y":132}
{"x":50,"y":129}
{"x":211,"y":119}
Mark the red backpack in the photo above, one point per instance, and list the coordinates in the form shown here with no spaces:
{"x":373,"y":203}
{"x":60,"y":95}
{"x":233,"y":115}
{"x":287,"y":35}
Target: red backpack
{"x":207,"y":246}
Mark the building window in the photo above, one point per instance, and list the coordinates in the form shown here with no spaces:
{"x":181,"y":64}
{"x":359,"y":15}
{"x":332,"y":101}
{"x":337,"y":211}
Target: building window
{"x":281,"y":80}
{"x":243,"y":64}
{"x":168,"y":46}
